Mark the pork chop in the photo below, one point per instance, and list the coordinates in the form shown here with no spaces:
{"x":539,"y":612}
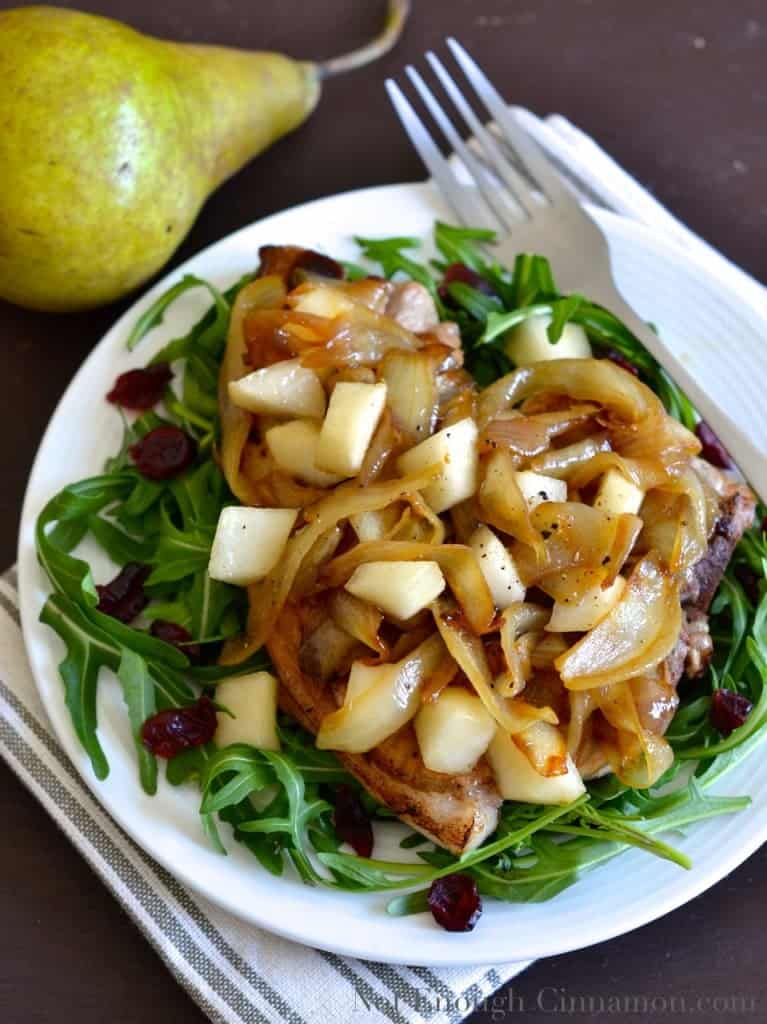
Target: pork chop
{"x":736,"y":514}
{"x":457,"y":812}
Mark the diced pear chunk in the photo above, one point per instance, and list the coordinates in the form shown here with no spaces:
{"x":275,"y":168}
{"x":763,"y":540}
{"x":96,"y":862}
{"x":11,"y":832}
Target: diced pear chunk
{"x":453,"y":731}
{"x":585,"y":612}
{"x":349,"y":425}
{"x":400,"y":589}
{"x":529,"y":342}
{"x":518,"y":780}
{"x":537,"y":488}
{"x":249,"y":542}
{"x":252,"y":699}
{"x":497,"y":567}
{"x":616,"y":494}
{"x":293,"y":446}
{"x":455,"y":447}
{"x":282,"y":389}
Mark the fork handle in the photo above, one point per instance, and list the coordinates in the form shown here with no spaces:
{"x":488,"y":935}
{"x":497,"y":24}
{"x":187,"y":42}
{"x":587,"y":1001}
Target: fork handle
{"x":747,"y":453}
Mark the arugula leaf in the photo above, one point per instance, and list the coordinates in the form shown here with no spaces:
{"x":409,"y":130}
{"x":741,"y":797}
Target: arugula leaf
{"x":72,"y":576}
{"x":390,"y":254}
{"x":300,"y":813}
{"x":154,"y":315}
{"x":498,"y":324}
{"x":179,"y":552}
{"x":88,"y":649}
{"x":189,"y":765}
{"x":68,"y":534}
{"x":139,"y":695}
{"x":463,"y":245}
{"x":562,"y":311}
{"x":755,"y":723}
{"x":375,"y":874}
{"x":119,"y":545}
{"x":475,"y":302}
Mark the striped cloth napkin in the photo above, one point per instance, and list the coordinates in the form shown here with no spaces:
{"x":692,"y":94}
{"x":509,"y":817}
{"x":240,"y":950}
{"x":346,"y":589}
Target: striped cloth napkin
{"x":236,"y":973}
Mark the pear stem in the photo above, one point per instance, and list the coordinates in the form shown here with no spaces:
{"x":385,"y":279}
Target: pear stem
{"x":396,"y":17}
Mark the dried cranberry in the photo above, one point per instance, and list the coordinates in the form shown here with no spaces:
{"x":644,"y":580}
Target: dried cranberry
{"x":163,"y":453}
{"x":352,"y":822}
{"x":712,"y":450}
{"x":749,"y":580}
{"x":169,"y":732}
{"x":620,"y":360}
{"x":455,"y":902}
{"x":729,"y":710}
{"x":459,"y":272}
{"x":123,"y":598}
{"x":176,"y":636}
{"x":141,"y":389}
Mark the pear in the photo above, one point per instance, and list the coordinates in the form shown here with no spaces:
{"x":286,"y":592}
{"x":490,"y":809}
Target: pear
{"x":111,"y":141}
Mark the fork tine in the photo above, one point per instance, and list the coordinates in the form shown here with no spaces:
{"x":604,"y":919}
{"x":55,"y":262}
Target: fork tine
{"x":460,"y":199}
{"x":459,"y":146}
{"x":495,"y":159}
{"x":528,"y":151}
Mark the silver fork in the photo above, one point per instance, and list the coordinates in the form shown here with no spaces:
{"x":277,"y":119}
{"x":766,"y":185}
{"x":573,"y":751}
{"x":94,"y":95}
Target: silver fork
{"x":514,"y":188}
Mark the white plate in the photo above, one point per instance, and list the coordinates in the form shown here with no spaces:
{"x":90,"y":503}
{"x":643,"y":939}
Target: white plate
{"x":665,"y":286}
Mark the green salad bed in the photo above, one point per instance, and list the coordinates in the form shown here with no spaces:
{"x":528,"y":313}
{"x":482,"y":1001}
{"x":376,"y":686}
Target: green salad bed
{"x":168,"y":526}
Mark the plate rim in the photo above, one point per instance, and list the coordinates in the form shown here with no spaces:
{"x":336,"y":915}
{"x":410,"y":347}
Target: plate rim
{"x":28,"y":614}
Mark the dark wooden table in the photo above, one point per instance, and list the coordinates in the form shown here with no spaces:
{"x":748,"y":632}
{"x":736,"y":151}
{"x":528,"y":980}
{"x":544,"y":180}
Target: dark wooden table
{"x":677,"y":92}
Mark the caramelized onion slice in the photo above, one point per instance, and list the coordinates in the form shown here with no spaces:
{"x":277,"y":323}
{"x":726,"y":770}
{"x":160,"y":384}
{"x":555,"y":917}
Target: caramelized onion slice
{"x":528,"y":436}
{"x":502,"y":503}
{"x":547,"y":650}
{"x":457,"y":562}
{"x":385,"y":443}
{"x":640,"y":764}
{"x":661,"y":513}
{"x":568,"y":585}
{"x":578,"y":536}
{"x":388,"y":697}
{"x":467,"y":650}
{"x":563,"y":462}
{"x":544,"y":747}
{"x":360,"y":337}
{"x":331,"y":299}
{"x":638,"y":633}
{"x":358,"y":618}
{"x":424,"y":511}
{"x":659,"y":436}
{"x":263,"y":293}
{"x":412,"y":391}
{"x":327,"y":651}
{"x":587,"y":380}
{"x":520,"y":434}
{"x":521,"y":626}
{"x":559,"y":421}
{"x":318,"y":555}
{"x":637,"y":756}
{"x":378,"y":524}
{"x":644,"y":473}
{"x":693,"y":527}
{"x":268,"y":486}
{"x":582,"y":706}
